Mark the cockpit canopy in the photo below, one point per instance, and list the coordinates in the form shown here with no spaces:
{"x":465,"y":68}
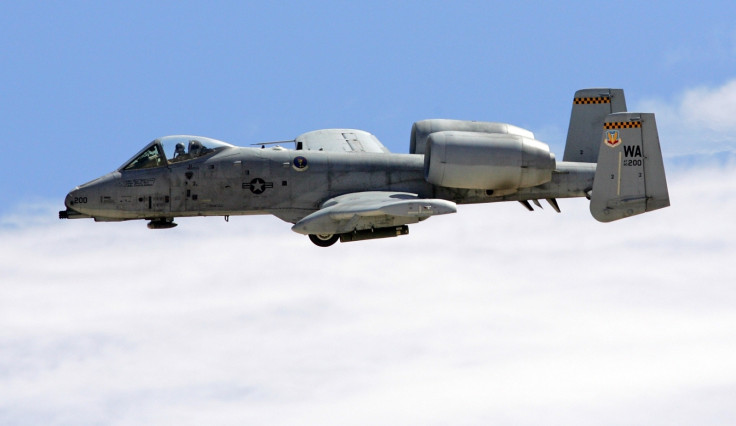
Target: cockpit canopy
{"x":174,"y":149}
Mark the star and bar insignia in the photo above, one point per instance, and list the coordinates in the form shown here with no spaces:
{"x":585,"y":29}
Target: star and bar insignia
{"x":257,"y":185}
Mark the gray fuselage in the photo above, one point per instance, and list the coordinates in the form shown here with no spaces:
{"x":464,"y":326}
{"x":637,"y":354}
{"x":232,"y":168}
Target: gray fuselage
{"x":289,"y":184}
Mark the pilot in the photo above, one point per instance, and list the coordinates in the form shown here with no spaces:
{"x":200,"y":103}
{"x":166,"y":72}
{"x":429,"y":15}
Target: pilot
{"x":179,"y":151}
{"x":195,"y":148}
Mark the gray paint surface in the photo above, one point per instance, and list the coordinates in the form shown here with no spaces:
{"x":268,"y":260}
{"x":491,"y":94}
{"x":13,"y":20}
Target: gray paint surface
{"x":344,"y":182}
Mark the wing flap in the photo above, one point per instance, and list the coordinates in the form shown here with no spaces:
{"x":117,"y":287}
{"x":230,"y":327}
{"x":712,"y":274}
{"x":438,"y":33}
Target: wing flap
{"x":366,"y":210}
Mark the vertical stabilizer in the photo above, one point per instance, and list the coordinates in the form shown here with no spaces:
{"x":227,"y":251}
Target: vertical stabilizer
{"x":629,"y":177}
{"x":589,"y":108}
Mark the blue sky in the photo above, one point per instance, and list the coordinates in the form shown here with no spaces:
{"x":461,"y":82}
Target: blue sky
{"x":84,"y":85}
{"x":490,"y":315}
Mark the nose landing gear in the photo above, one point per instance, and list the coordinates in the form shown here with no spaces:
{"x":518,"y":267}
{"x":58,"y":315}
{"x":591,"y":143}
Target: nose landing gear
{"x":162,"y":223}
{"x":324,"y":240}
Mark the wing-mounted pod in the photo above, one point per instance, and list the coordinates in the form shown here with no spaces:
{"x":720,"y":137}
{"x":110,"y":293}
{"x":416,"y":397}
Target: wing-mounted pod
{"x":369,"y":215}
{"x":629,"y":177}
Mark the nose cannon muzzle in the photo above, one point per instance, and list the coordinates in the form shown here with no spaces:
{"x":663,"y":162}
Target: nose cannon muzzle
{"x":70,"y":212}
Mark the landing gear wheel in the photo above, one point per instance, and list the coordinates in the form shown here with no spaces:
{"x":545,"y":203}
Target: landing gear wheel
{"x":324,"y":240}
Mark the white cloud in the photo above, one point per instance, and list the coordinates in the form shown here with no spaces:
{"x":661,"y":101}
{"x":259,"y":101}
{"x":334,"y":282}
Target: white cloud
{"x":700,"y":120}
{"x":492,"y":315}
{"x":711,"y":108}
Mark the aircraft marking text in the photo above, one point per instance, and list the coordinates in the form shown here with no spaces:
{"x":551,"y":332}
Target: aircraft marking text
{"x":632,"y":151}
{"x":139,"y":182}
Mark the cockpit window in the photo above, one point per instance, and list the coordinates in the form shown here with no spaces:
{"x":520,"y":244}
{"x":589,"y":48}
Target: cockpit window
{"x":184,"y":148}
{"x":174,"y":149}
{"x":149,"y":158}
{"x":194,"y":149}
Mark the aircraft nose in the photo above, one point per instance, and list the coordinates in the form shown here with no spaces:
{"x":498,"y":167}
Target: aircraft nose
{"x":92,"y":199}
{"x":69,"y":200}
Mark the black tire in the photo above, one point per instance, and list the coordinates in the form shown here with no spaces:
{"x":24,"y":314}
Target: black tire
{"x":324,"y":240}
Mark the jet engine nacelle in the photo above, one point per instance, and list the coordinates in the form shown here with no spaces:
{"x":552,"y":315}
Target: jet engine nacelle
{"x":490,"y":161}
{"x":421,"y":130}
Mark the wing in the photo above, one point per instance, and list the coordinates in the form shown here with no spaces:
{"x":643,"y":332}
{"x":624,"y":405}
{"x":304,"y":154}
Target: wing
{"x":340,"y":140}
{"x":366,"y":210}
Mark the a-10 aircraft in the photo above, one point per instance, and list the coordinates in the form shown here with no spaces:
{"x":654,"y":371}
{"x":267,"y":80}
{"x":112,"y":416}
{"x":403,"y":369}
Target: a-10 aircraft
{"x":343,"y":184}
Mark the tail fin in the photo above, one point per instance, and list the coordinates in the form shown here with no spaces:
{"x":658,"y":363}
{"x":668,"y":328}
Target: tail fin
{"x":590,"y":107}
{"x":629,"y":177}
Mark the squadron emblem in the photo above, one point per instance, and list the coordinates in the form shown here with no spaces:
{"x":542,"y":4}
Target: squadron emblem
{"x":612,"y":138}
{"x":300,"y":164}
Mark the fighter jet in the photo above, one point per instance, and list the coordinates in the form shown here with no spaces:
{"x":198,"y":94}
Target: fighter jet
{"x":343,"y":184}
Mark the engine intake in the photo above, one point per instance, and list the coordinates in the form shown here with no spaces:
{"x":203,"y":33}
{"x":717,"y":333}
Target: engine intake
{"x":490,"y":161}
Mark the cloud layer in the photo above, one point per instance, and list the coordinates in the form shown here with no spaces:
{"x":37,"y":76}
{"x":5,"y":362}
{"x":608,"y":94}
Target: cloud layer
{"x":700,"y":120}
{"x":494,"y":314}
